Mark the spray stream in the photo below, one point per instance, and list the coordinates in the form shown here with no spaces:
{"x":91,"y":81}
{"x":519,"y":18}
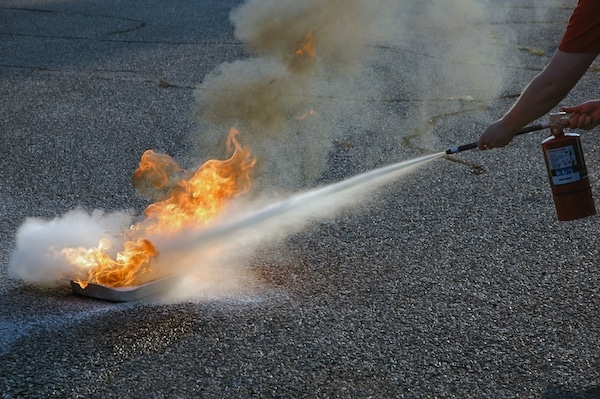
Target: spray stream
{"x":292,"y":213}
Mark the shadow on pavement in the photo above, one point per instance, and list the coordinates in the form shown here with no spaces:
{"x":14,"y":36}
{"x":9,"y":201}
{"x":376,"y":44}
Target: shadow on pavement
{"x":560,"y":392}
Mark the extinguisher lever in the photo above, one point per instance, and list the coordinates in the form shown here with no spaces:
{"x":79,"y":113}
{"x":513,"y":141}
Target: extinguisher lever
{"x":470,"y":146}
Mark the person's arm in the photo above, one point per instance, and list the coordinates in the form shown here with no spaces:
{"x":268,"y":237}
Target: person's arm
{"x":585,"y":115}
{"x":542,"y":94}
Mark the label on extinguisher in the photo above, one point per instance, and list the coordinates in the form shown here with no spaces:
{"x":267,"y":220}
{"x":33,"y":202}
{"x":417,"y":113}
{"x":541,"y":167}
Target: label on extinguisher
{"x":563,"y":165}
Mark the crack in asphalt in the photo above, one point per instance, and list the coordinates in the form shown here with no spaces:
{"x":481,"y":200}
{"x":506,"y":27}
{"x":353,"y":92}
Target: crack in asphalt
{"x":160,"y":82}
{"x":458,"y":61}
{"x":41,"y":10}
{"x":133,"y":41}
{"x":140,"y":24}
{"x":408,"y":140}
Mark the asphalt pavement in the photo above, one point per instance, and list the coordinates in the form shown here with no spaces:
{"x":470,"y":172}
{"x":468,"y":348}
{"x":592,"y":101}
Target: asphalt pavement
{"x":455,"y":281}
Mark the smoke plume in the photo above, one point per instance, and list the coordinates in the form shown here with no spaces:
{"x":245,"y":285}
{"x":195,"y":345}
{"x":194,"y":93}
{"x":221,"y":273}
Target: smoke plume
{"x":290,"y":96}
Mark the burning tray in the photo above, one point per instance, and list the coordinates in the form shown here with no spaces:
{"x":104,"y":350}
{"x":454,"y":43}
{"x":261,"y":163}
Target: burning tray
{"x":126,"y":294}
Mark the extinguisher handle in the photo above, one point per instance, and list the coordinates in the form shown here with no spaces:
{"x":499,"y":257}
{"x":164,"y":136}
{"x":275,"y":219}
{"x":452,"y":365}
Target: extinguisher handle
{"x":470,"y":146}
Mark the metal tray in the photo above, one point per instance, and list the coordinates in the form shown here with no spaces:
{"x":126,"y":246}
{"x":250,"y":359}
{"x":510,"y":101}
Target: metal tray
{"x":126,"y":294}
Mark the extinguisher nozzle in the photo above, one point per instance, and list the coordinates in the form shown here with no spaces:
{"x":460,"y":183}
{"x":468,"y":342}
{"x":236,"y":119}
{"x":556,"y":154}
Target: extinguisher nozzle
{"x":461,"y":148}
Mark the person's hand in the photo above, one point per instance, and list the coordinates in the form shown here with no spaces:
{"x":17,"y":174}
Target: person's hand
{"x":585,"y":115}
{"x":496,"y":135}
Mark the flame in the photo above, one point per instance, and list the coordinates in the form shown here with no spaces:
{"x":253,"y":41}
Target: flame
{"x":128,"y":264}
{"x":155,"y":175}
{"x":190,"y":202}
{"x":308,"y":47}
{"x":304,"y":54}
{"x":307,"y":114}
{"x":197,"y":200}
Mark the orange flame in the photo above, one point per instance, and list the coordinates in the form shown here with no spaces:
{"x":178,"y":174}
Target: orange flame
{"x":155,"y":175}
{"x":308,"y":46}
{"x":128,"y":264}
{"x":304,"y":55}
{"x":197,"y":200}
{"x":191,"y":202}
{"x":307,"y":114}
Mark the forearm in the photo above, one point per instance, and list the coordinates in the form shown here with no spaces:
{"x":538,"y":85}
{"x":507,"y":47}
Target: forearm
{"x":537,"y":100}
{"x":547,"y":89}
{"x":544,"y":92}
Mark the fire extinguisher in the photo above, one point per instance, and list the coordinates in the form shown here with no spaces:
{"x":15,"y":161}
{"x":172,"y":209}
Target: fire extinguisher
{"x":567,"y":172}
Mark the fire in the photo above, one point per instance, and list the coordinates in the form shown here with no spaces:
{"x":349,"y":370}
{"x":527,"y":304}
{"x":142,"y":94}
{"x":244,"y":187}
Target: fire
{"x":307,"y":114}
{"x":304,"y":54}
{"x":190,"y":202}
{"x":154,"y":177}
{"x":128,"y":264}
{"x":197,"y":200}
{"x":308,"y":46}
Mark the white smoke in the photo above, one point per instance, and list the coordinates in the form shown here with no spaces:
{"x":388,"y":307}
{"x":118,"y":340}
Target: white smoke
{"x":37,"y":257}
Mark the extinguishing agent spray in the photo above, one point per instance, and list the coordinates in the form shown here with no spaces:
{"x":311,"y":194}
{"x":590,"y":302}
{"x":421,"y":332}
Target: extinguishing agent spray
{"x":567,"y":172}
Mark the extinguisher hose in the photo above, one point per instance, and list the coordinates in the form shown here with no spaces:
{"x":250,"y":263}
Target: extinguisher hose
{"x":470,"y":146}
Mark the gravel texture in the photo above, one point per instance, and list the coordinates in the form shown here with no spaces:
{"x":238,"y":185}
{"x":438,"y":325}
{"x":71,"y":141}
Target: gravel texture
{"x":456,"y":281}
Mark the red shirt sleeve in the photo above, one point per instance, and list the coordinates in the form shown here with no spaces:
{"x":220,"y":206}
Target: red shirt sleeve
{"x":583,"y":31}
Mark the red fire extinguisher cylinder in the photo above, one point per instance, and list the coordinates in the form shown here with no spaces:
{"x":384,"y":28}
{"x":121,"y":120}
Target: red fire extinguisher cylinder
{"x":568,"y":175}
